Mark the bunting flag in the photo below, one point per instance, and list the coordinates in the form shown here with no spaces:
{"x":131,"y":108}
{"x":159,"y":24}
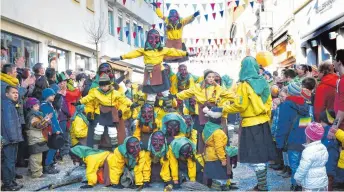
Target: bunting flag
{"x":206,"y":17}
{"x":235,"y":9}
{"x":237,"y":3}
{"x":215,"y":41}
{"x":204,"y":6}
{"x":124,"y":2}
{"x":134,"y":34}
{"x":214,"y":15}
{"x":221,"y":41}
{"x":160,"y":25}
{"x":221,"y":13}
{"x":195,"y":7}
{"x":197,"y":41}
{"x":203,"y":41}
{"x":168,"y":6}
{"x":118,"y":30}
{"x":186,"y":5}
{"x":126,"y":33}
{"x":139,"y":28}
{"x":153,"y":26}
{"x":209,"y":41}
{"x":221,"y":5}
{"x":212,"y":6}
{"x":199,"y":20}
{"x":177,"y":5}
{"x":252,"y":3}
{"x":158,"y":4}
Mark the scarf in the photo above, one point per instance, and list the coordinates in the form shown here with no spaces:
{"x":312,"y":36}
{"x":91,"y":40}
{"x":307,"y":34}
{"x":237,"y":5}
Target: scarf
{"x":249,"y":73}
{"x":70,"y":85}
{"x":79,"y":113}
{"x":14,"y":82}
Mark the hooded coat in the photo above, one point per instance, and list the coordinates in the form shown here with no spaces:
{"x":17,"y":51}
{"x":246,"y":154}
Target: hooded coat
{"x":325,"y":94}
{"x":79,"y":125}
{"x":216,"y":140}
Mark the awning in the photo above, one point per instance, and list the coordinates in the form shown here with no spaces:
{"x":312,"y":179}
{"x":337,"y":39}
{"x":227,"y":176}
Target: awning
{"x":288,"y":62}
{"x":280,"y":39}
{"x":323,"y":29}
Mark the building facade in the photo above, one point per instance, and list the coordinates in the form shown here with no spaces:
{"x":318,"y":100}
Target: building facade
{"x":57,"y":33}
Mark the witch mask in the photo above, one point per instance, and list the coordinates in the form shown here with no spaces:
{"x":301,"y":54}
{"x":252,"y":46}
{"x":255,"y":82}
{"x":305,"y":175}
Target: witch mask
{"x":183,"y":70}
{"x":173,"y":127}
{"x":158,"y":141}
{"x":173,"y":17}
{"x":185,"y":151}
{"x":189,"y":121}
{"x":133,"y":146}
{"x":147,"y":113}
{"x":106,"y":68}
{"x":153,"y":40}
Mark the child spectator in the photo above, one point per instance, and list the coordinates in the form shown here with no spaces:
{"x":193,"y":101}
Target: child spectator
{"x":48,"y":96}
{"x":311,"y":173}
{"x":332,"y":145}
{"x":36,"y":122}
{"x":11,"y":131}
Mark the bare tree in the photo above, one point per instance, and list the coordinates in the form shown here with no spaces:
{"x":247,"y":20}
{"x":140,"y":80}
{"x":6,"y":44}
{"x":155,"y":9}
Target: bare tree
{"x":97,"y":33}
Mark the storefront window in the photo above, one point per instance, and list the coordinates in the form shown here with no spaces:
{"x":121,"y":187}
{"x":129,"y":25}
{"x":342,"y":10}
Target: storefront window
{"x":18,"y":50}
{"x":58,"y":59}
{"x":82,"y":62}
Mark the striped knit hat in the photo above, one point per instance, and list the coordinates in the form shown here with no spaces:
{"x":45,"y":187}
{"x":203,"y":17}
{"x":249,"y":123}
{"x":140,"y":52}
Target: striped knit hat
{"x":294,"y":89}
{"x":104,"y":79}
{"x":314,"y":131}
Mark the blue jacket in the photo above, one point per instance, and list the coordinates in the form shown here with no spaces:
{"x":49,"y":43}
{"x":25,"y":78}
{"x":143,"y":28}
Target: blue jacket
{"x":11,"y":129}
{"x":274,"y":126}
{"x":47,"y":108}
{"x":290,"y":113}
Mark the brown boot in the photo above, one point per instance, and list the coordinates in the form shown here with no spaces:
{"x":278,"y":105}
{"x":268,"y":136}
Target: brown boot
{"x":330,"y":182}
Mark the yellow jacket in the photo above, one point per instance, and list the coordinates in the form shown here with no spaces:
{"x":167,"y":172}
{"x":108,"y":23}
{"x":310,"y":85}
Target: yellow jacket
{"x":160,"y":112}
{"x":78,"y":130}
{"x":191,"y":84}
{"x":250,"y":106}
{"x":173,"y":161}
{"x":214,"y":94}
{"x":174,"y":34}
{"x":144,"y":129}
{"x":340,"y":137}
{"x":215,"y":146}
{"x":147,"y":169}
{"x":193,"y":136}
{"x":174,"y":86}
{"x":154,"y":57}
{"x":117,"y":163}
{"x":113,"y":98}
{"x":93,"y":163}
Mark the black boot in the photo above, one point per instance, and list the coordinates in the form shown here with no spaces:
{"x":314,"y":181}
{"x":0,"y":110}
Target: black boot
{"x":261,"y":177}
{"x":277,"y":167}
{"x":50,"y":169}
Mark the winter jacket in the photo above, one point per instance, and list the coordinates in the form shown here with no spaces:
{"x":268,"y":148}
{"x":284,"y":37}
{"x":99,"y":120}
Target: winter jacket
{"x":274,"y":126}
{"x":118,"y":162}
{"x":325,"y":94}
{"x":47,"y":108}
{"x":339,"y":99}
{"x":174,"y":33}
{"x":250,"y":106}
{"x":215,"y":140}
{"x":184,"y":84}
{"x":94,"y":159}
{"x":340,"y":137}
{"x":145,"y":129}
{"x":40,"y":84}
{"x":7,"y":80}
{"x":78,"y":130}
{"x":11,"y":129}
{"x":312,"y":171}
{"x":34,"y":127}
{"x":72,"y":97}
{"x":291,"y":126}
{"x":154,"y":57}
{"x":63,"y":113}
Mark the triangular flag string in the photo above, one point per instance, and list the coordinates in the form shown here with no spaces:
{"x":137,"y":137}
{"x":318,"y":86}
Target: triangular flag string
{"x":209,"y":41}
{"x":160,"y":25}
{"x":215,"y":41}
{"x":214,"y":15}
{"x":221,"y":5}
{"x":235,"y":8}
{"x":177,"y":5}
{"x":199,"y":20}
{"x":197,"y":41}
{"x":153,"y":26}
{"x":221,"y":13}
{"x":204,"y":7}
{"x":206,"y":17}
{"x":221,"y":41}
{"x":168,"y":6}
{"x":237,"y":3}
{"x":212,"y":6}
{"x":158,"y":4}
{"x":252,"y":4}
{"x":118,"y":30}
{"x":195,"y":7}
{"x":124,"y":2}
{"x":134,"y":34}
{"x":186,"y":5}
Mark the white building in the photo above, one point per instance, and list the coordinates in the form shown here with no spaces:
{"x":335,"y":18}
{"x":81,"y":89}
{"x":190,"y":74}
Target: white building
{"x":54,"y":32}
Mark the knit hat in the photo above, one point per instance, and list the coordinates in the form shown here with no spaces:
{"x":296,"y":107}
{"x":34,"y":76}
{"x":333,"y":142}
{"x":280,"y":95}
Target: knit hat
{"x":104,"y":79}
{"x":305,"y":93}
{"x":30,"y":102}
{"x":294,"y":89}
{"x":47,"y":92}
{"x":60,"y":77}
{"x":328,"y":116}
{"x":314,"y":131}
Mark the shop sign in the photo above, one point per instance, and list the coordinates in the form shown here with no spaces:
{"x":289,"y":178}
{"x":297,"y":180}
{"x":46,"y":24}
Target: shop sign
{"x":324,"y":5}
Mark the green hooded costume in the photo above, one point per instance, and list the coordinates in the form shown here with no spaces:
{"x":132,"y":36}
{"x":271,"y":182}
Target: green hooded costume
{"x":209,"y":129}
{"x":123,"y":150}
{"x":249,"y":73}
{"x":173,"y":116}
{"x":227,"y":82}
{"x":79,"y":113}
{"x":178,"y":143}
{"x":84,"y":151}
{"x":159,"y":154}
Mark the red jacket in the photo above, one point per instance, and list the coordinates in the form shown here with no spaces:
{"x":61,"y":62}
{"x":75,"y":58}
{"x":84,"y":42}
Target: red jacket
{"x":72,"y":97}
{"x":325,"y":94}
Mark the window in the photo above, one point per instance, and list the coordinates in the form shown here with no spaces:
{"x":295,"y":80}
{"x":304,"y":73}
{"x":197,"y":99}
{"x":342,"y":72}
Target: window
{"x":127,"y":32}
{"x":18,"y":50}
{"x":120,"y":25}
{"x":142,"y":36}
{"x":58,"y":59}
{"x":136,"y":40}
{"x":111,"y":22}
{"x":82,"y":62}
{"x":90,"y":5}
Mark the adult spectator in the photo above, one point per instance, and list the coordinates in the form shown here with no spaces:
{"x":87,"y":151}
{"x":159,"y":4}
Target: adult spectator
{"x":302,"y":72}
{"x":289,"y":75}
{"x":326,"y":90}
{"x":41,"y":81}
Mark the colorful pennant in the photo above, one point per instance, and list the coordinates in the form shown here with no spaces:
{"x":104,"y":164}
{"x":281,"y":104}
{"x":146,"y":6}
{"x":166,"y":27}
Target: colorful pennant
{"x":197,"y":41}
{"x":124,"y":1}
{"x":237,"y":3}
{"x":209,"y":41}
{"x":160,"y":25}
{"x":214,"y":15}
{"x":153,"y":26}
{"x":134,"y":34}
{"x":206,"y":17}
{"x":252,"y":4}
{"x":195,"y":7}
{"x":204,"y":6}
{"x":221,"y":13}
{"x":139,"y":28}
{"x":168,"y":6}
{"x":186,"y":5}
{"x":212,"y":6}
{"x":221,"y":5}
{"x":118,"y":30}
